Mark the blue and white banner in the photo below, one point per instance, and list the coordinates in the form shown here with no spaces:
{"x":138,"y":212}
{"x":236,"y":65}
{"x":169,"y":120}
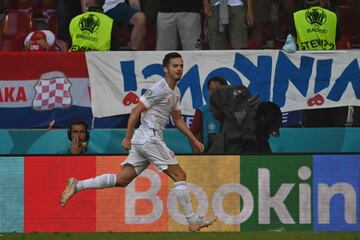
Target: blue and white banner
{"x":303,"y":80}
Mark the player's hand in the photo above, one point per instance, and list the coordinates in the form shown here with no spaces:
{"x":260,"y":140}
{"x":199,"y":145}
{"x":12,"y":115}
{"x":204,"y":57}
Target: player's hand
{"x":126,"y":143}
{"x":198,"y":147}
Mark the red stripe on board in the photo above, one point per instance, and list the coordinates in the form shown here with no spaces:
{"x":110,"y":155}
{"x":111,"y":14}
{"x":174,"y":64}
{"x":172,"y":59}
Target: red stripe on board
{"x":111,"y":203}
{"x":44,"y":180}
{"x":31,"y":65}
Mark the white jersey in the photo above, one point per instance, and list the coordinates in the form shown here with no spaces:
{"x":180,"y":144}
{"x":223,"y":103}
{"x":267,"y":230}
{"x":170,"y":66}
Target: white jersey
{"x":160,"y":100}
{"x":110,"y":4}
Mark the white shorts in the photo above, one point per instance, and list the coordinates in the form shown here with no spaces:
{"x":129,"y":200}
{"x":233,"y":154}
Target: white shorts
{"x":152,"y":151}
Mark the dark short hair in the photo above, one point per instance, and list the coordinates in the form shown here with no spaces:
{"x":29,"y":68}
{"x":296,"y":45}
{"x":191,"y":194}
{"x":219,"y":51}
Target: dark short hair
{"x":217,"y":79}
{"x":78,"y":122}
{"x":170,"y":56}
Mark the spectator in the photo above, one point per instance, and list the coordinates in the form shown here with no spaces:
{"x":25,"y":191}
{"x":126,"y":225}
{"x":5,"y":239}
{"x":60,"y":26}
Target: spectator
{"x":228,"y":16}
{"x":271,"y":16}
{"x":66,"y":10}
{"x":204,"y":126}
{"x":79,"y":135}
{"x":130,"y":17}
{"x":313,"y":25}
{"x":179,"y":19}
{"x":317,"y":28}
{"x":91,"y":30}
{"x":43,"y":40}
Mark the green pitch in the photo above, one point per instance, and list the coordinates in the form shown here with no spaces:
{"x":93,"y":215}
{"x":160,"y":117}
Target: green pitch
{"x":184,"y":236}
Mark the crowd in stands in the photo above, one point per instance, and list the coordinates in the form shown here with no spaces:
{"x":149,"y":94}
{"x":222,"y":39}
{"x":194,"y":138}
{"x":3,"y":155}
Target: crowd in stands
{"x":170,"y":24}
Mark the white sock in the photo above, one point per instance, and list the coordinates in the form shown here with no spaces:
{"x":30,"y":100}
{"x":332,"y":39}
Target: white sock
{"x":183,"y":196}
{"x":102,"y":181}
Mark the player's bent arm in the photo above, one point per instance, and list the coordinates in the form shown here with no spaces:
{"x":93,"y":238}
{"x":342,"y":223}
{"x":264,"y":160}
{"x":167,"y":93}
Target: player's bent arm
{"x":133,"y":119}
{"x":181,"y":125}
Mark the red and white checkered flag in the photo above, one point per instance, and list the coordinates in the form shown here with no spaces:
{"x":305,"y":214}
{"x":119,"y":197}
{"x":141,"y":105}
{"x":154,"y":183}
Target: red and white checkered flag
{"x":52,"y":91}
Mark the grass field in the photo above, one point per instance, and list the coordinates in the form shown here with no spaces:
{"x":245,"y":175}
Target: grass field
{"x":184,"y":236}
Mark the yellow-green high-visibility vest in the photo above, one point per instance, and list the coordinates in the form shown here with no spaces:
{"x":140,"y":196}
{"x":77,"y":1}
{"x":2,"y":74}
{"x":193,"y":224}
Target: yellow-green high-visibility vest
{"x":91,"y":31}
{"x":316,"y":29}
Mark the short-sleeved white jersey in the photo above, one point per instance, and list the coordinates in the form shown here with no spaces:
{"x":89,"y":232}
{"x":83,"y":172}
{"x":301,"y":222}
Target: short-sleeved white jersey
{"x":160,"y":100}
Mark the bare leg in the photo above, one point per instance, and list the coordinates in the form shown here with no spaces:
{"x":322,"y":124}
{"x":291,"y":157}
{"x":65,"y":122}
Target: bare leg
{"x":125,"y":176}
{"x":138,"y":21}
{"x":176,"y":173}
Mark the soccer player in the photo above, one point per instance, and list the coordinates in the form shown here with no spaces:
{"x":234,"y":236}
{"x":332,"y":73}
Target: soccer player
{"x":147,"y":146}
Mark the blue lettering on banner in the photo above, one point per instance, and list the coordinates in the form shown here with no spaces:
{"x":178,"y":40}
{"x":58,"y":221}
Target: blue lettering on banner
{"x":286,"y":71}
{"x":323,"y":74}
{"x":259,"y":76}
{"x":191,"y":80}
{"x":128,"y":72}
{"x":350,"y":74}
{"x":153,"y":69}
{"x":231,"y":76}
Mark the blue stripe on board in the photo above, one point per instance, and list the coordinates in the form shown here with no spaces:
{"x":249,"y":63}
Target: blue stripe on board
{"x":11,"y":194}
{"x":336,"y":191}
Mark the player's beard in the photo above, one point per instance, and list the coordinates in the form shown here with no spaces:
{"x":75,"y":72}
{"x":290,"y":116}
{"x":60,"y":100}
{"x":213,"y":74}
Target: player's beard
{"x":176,"y":76}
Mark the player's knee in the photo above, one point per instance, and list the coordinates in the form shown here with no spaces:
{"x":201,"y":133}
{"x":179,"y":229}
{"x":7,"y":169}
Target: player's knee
{"x":180,"y":176}
{"x":122,"y":183}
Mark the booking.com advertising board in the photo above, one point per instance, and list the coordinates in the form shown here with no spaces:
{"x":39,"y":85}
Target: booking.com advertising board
{"x":246,"y":193}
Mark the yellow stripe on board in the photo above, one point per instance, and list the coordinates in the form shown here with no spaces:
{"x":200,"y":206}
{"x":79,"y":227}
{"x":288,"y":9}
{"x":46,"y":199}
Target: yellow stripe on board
{"x":210,"y":176}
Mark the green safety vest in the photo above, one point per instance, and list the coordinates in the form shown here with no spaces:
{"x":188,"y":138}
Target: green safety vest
{"x":316,"y":29}
{"x":91,"y":31}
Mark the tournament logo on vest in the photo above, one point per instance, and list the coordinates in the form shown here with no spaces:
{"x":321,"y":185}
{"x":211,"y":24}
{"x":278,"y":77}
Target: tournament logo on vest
{"x":316,"y":15}
{"x":89,"y":23}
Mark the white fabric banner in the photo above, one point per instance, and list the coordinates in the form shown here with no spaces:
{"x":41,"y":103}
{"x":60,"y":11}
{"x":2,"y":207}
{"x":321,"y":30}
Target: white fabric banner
{"x":302,"y":80}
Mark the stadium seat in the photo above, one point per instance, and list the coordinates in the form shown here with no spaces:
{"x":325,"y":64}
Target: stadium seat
{"x":52,"y":22}
{"x":343,"y":43}
{"x":14,"y":28}
{"x":61,"y":46}
{"x":122,"y":38}
{"x":347,"y":18}
{"x":345,"y":2}
{"x":251,"y":43}
{"x":12,"y":5}
{"x":150,"y":39}
{"x":24,"y":6}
